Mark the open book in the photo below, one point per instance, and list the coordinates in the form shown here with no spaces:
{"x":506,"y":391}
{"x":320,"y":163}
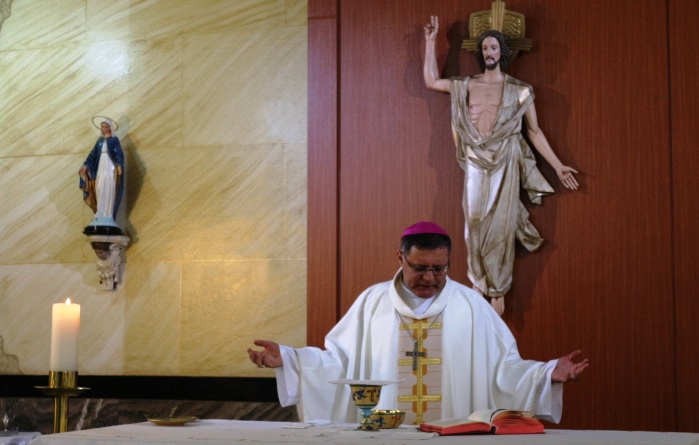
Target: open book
{"x":487,"y":421}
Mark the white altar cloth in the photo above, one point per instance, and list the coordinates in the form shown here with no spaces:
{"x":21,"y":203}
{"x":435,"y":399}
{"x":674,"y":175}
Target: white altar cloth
{"x":17,"y":437}
{"x":220,"y":432}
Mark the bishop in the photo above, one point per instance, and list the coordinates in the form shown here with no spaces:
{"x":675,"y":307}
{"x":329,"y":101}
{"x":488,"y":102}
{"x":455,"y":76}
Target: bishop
{"x":447,"y":349}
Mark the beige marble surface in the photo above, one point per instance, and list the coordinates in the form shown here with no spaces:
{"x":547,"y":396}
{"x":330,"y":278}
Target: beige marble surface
{"x":210,"y":98}
{"x":36,"y":414}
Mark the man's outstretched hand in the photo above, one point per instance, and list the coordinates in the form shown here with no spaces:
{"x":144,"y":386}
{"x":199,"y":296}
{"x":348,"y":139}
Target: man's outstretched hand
{"x":269,"y":357}
{"x":567,"y":370}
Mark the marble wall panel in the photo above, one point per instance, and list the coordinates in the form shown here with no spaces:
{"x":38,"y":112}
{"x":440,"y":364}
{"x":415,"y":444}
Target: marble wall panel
{"x":210,"y":98}
{"x":51,"y":95}
{"x":131,"y":20}
{"x":249,"y":88}
{"x":144,"y":94}
{"x":241,"y":301}
{"x":36,"y":414}
{"x":209,"y":203}
{"x":27,"y":294}
{"x":296,"y":12}
{"x":43,"y":24}
{"x":40,"y":210}
{"x":103,"y":324}
{"x":133,"y":330}
{"x":153,"y":310}
{"x":296,"y":191}
{"x":9,"y":363}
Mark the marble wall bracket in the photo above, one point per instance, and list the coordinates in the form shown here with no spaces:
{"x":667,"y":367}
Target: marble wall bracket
{"x":108,"y":249}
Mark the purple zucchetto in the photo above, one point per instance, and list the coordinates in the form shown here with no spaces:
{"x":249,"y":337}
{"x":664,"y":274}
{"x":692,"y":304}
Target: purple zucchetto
{"x":424,"y":227}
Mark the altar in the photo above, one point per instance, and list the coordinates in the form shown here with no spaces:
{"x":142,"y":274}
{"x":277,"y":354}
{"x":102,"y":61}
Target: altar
{"x":220,"y":432}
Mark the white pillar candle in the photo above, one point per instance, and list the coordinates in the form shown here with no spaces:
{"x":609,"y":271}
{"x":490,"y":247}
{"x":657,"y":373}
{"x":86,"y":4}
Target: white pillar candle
{"x":65,"y":325}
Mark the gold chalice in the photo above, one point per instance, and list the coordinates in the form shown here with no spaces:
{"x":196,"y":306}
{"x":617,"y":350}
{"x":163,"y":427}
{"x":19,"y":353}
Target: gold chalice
{"x":366,"y":397}
{"x":365,"y":394}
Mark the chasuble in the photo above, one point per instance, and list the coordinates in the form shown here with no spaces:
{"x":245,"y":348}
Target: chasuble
{"x":455,"y":358}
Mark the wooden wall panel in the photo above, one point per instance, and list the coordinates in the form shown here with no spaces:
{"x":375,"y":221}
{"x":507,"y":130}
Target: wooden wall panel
{"x":685,"y":156}
{"x":322,"y":170}
{"x":318,"y":9}
{"x":397,"y":156}
{"x":604,"y":279}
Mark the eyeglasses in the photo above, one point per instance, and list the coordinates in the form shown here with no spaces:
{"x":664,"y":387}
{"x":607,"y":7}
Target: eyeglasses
{"x":437,"y":270}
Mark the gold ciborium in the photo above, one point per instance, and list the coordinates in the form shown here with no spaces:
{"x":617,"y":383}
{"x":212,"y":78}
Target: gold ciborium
{"x":365,"y":394}
{"x":386,"y":419}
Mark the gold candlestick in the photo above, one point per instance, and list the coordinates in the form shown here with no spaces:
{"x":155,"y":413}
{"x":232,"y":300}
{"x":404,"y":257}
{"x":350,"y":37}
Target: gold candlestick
{"x":62,"y":384}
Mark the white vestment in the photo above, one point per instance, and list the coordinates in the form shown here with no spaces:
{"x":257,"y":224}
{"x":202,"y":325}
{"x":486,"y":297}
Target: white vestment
{"x":481,"y":366}
{"x":105,"y":184}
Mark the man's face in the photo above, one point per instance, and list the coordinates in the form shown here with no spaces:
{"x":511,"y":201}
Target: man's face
{"x":427,"y":283}
{"x":491,"y":52}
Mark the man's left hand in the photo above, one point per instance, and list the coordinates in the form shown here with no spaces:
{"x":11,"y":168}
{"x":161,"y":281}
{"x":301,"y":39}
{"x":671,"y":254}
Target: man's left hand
{"x":567,"y":370}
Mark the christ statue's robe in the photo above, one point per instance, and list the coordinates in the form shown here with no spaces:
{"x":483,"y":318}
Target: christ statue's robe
{"x":494,"y":167}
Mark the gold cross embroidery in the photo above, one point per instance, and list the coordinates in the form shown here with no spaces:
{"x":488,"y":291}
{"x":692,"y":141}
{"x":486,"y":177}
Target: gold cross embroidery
{"x":419,"y":362}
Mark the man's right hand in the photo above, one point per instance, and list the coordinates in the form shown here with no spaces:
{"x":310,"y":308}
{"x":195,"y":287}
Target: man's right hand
{"x":269,"y":357}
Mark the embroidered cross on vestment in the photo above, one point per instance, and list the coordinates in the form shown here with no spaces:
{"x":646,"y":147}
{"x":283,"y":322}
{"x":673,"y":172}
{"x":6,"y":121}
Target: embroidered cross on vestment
{"x":419,"y":359}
